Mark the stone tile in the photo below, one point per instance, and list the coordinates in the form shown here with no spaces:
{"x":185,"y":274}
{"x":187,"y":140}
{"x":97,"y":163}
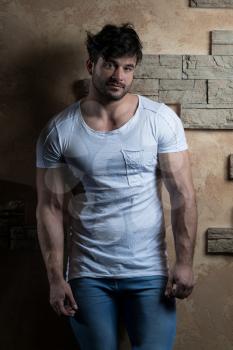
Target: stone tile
{"x":220,"y":240}
{"x":153,"y":97}
{"x":176,"y":84}
{"x":23,"y":244}
{"x":231,"y":167}
{"x":145,"y":87}
{"x":198,"y":118}
{"x":207,"y":67}
{"x":23,"y":237}
{"x":151,"y":60}
{"x":222,"y":37}
{"x":222,"y":49}
{"x":170,"y":60}
{"x":222,"y":42}
{"x":160,"y":67}
{"x":23,"y":232}
{"x":183,"y":91}
{"x":207,"y":105}
{"x":212,"y":3}
{"x":220,"y":91}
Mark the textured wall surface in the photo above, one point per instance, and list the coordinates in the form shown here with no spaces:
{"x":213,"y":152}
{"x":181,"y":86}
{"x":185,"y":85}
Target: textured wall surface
{"x":43,"y":55}
{"x":212,"y":3}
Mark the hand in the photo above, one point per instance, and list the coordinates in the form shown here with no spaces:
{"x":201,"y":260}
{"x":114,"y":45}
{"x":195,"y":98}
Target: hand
{"x":61,"y":298}
{"x":180,"y":281}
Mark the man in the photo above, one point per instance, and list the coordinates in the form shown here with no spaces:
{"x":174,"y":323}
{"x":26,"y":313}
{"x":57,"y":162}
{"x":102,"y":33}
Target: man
{"x":118,"y":145}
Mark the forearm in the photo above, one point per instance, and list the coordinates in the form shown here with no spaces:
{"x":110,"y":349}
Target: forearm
{"x":51,"y":239}
{"x":184,"y":226}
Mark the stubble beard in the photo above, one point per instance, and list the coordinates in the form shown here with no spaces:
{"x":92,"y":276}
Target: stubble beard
{"x":102,"y":89}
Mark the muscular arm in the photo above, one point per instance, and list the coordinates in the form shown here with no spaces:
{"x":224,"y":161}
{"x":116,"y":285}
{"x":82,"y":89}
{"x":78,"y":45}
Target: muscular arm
{"x":176,"y":174}
{"x":49,"y":213}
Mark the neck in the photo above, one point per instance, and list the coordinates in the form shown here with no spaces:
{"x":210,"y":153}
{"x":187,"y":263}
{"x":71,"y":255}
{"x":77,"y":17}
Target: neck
{"x":111,"y":107}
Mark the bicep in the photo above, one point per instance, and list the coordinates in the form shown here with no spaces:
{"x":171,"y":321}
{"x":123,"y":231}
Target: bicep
{"x":50,"y":187}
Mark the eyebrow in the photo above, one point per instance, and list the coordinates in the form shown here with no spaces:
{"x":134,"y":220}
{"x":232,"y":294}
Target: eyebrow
{"x":130,"y":65}
{"x":115,"y":62}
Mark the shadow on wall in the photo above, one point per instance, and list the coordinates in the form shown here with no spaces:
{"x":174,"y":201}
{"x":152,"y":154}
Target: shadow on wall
{"x":27,"y":321}
{"x":42,"y":80}
{"x":12,"y":191}
{"x":34,"y":87}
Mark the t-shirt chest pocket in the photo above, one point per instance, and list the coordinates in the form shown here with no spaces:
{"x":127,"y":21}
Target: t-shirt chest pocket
{"x":137,"y":162}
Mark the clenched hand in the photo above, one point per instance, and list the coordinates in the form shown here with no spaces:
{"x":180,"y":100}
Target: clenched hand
{"x":61,"y":298}
{"x":180,"y":282}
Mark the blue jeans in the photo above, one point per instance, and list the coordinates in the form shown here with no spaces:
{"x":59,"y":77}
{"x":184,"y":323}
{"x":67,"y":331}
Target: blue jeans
{"x":149,"y":316}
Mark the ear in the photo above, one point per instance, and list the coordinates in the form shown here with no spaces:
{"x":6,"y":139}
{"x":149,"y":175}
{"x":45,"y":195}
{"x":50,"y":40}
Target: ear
{"x":90,"y":66}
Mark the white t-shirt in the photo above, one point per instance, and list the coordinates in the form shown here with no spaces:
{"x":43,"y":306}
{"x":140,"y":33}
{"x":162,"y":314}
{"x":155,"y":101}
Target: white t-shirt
{"x":117,"y":222}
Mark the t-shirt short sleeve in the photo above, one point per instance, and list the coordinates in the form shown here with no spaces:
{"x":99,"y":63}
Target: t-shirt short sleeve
{"x":171,"y":136}
{"x":48,"y":150}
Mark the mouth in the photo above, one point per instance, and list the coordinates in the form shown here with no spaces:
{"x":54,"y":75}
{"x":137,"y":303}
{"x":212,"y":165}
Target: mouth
{"x":115,"y":85}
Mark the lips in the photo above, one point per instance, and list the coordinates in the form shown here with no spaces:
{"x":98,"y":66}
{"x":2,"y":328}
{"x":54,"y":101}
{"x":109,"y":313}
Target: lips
{"x":115,"y":85}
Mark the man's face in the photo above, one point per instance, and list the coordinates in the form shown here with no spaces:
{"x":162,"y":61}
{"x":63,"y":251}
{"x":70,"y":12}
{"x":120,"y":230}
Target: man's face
{"x":113,"y":78}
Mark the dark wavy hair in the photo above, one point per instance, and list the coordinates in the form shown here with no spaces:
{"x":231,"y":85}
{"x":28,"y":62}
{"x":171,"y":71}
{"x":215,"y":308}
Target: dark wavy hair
{"x":114,"y":42}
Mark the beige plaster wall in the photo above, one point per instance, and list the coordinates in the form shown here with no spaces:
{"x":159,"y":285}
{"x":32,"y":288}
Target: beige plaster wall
{"x":42,"y":55}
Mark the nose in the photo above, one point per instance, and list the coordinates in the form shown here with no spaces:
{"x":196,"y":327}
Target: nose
{"x":118,"y":74}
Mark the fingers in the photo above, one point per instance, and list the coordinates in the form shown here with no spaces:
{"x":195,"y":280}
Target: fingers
{"x":178,"y":290}
{"x":62,"y":300}
{"x":180,"y":281}
{"x":63,"y":309}
{"x":182,"y":291}
{"x":59,"y":307}
{"x":56,"y":309}
{"x":70,"y":299}
{"x":168,"y":291}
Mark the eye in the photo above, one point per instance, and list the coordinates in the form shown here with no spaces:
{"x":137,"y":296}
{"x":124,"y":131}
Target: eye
{"x":108,"y":65}
{"x":129,"y":69}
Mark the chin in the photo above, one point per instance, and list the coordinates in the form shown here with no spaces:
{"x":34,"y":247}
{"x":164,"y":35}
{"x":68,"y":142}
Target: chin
{"x":116,"y":96}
